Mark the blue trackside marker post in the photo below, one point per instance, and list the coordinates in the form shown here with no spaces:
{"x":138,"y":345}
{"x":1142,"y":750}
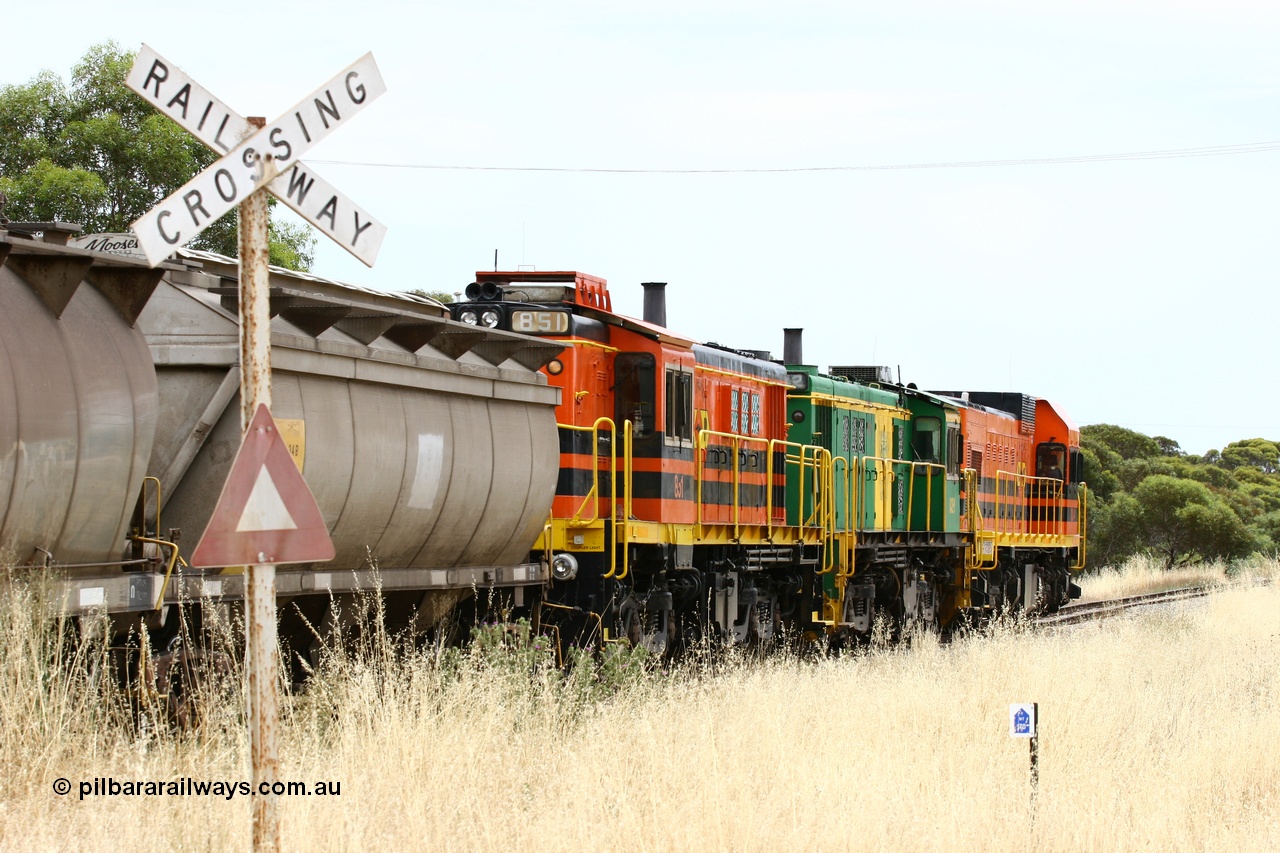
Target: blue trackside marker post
{"x":1024,"y":721}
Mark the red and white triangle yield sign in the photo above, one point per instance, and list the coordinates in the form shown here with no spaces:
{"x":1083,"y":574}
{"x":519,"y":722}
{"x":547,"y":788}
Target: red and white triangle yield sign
{"x":265,"y":515}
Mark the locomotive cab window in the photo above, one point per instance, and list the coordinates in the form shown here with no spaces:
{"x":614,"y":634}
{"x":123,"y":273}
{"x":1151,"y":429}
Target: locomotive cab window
{"x":955,"y":450}
{"x":925,"y":442}
{"x":634,"y":392}
{"x":678,"y":428}
{"x":1075,"y":465}
{"x":1051,"y":460}
{"x":750,"y":423}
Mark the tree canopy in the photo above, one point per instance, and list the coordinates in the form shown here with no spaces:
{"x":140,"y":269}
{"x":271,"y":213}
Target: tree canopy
{"x":92,"y":152}
{"x":1148,"y":496}
{"x":443,"y":296}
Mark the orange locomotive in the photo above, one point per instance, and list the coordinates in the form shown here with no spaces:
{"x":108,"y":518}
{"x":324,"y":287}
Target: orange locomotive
{"x":1021,"y":500}
{"x":674,"y":463}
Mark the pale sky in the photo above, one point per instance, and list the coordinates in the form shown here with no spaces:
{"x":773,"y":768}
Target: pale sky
{"x":1139,"y":291}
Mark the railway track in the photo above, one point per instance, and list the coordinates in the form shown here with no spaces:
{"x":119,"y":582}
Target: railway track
{"x":1078,"y":613}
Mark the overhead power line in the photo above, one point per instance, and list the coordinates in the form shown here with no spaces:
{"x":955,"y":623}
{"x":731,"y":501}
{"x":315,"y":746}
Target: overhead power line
{"x":1165,"y":154}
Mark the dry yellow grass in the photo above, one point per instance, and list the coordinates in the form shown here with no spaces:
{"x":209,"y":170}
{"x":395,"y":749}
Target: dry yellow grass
{"x":1142,"y":574}
{"x":1158,"y":733}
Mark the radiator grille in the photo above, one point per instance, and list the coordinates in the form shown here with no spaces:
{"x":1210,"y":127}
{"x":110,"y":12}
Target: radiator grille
{"x":867,"y":374}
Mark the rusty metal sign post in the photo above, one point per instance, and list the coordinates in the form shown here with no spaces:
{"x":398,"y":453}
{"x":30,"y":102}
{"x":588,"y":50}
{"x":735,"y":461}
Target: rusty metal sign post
{"x":261,"y":639}
{"x":256,"y":153}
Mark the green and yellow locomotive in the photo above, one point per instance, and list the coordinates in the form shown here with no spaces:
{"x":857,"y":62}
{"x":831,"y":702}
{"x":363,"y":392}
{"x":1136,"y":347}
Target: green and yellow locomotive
{"x":946,"y":504}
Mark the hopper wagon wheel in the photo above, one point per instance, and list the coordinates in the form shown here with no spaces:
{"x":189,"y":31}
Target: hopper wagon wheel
{"x":192,"y":682}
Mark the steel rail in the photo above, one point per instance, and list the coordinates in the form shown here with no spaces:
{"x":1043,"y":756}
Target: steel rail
{"x":1107,"y":608}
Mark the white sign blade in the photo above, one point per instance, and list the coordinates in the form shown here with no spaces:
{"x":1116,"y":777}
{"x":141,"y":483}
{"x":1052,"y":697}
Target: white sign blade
{"x":203,"y":200}
{"x":341,"y":219}
{"x":173,"y":92}
{"x":322,"y":112}
{"x":258,"y":159}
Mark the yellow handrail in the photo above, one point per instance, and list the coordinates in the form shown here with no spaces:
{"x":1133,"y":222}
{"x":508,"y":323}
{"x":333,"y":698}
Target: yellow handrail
{"x":162,"y":543}
{"x":1082,"y":528}
{"x":737,"y":442}
{"x":855,"y":503}
{"x":548,"y":555}
{"x":849,"y":502}
{"x":808,"y":459}
{"x":173,"y":559}
{"x":977,"y":528}
{"x":768,"y":478}
{"x":579,"y":342}
{"x":628,"y":488}
{"x":613,"y":502}
{"x":146,"y":480}
{"x":825,"y":507}
{"x":816,"y":460}
{"x":592,"y":498}
{"x":593,"y":495}
{"x":1015,"y":491}
{"x":928,"y":497}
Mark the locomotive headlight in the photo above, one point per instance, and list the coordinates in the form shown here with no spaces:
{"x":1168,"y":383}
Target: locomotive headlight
{"x":555,"y":367}
{"x":564,"y":567}
{"x":490,"y":318}
{"x":469,"y":317}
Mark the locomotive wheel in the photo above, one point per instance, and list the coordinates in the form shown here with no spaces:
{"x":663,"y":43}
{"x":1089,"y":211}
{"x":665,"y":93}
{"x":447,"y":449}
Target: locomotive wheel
{"x":186,"y":678}
{"x":753,"y":639}
{"x":1012,"y":591}
{"x":631,"y":628}
{"x":673,"y":636}
{"x":756,"y":638}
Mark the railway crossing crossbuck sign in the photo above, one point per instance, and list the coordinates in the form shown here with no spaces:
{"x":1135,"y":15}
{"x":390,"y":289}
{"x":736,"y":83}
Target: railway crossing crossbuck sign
{"x":266,"y":514}
{"x":256,"y":158}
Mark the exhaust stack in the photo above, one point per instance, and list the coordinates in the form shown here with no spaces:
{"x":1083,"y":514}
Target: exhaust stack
{"x":792,"y":346}
{"x":655,"y":302}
